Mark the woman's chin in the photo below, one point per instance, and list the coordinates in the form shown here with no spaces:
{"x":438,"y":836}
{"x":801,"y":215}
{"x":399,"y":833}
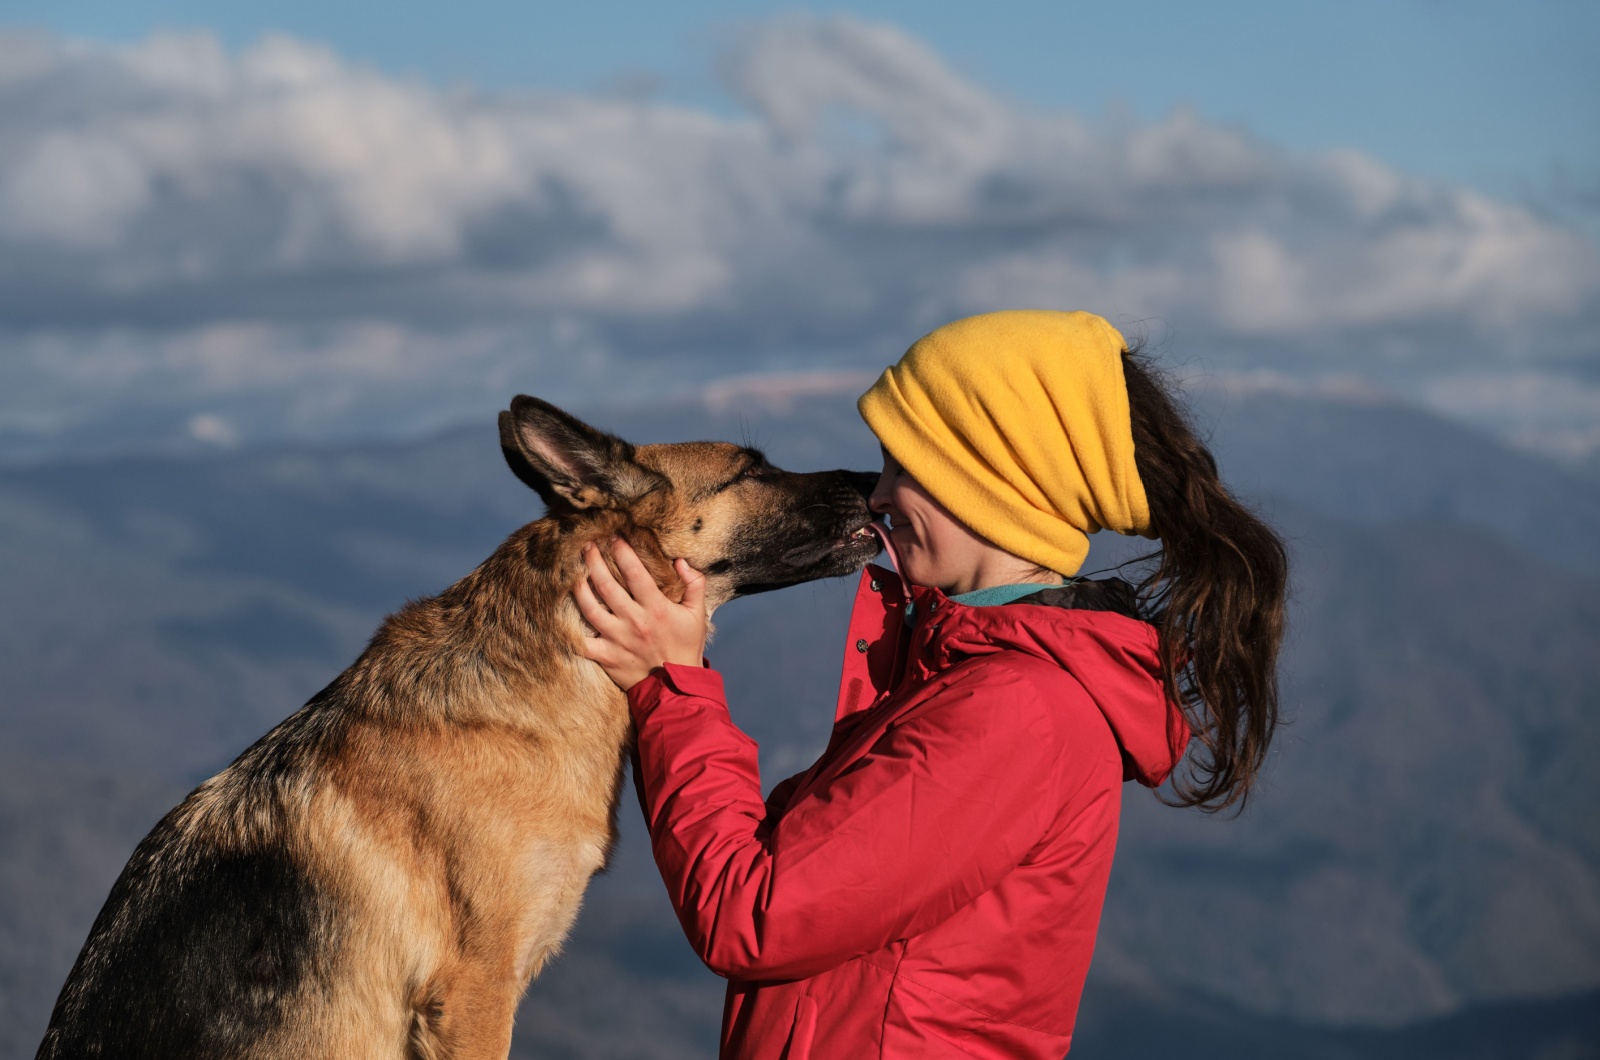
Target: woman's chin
{"x":914,"y":572}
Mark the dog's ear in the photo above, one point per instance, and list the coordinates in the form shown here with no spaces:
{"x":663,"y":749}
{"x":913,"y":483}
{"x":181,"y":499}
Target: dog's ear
{"x":567,"y":461}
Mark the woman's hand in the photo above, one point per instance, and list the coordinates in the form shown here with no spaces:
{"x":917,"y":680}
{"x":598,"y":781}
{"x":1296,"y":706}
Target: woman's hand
{"x":637,"y":627}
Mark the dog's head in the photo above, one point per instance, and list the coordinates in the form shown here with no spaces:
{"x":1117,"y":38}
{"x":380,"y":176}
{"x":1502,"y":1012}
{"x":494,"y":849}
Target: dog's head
{"x":747,"y":525}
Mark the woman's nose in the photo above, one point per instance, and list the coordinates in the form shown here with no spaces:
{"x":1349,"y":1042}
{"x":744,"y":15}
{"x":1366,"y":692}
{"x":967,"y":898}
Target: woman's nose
{"x":879,"y":501}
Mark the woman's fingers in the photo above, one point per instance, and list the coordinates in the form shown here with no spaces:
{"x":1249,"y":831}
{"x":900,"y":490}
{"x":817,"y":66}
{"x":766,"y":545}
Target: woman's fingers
{"x":606,"y":586}
{"x":641,"y":586}
{"x":600,"y":650}
{"x":694,"y":586}
{"x":593,"y":611}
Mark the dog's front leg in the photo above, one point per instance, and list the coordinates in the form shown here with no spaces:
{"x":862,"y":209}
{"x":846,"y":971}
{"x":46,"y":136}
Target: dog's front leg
{"x":466,"y":1013}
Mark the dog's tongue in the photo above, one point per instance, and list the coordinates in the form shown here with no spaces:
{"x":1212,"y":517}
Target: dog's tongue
{"x":888,"y":545}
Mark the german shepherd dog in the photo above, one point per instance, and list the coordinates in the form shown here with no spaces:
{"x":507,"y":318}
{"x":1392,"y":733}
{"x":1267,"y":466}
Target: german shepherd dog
{"x":383,"y":873}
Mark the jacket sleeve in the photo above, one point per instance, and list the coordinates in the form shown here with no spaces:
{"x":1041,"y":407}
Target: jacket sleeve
{"x":936,"y":813}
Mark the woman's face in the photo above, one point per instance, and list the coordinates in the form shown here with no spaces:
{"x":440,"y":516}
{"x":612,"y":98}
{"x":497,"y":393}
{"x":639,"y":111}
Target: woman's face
{"x":935,"y":548}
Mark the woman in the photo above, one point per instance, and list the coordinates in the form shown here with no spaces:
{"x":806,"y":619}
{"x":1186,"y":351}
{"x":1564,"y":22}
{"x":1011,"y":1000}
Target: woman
{"x":932,"y":885}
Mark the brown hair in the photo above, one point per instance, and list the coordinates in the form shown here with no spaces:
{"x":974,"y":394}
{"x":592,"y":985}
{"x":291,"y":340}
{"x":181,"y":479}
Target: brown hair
{"x":1216,"y":597}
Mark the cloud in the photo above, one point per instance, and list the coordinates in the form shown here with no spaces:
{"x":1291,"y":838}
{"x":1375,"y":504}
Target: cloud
{"x":779,"y":391}
{"x":278,"y":224}
{"x":1542,"y":411}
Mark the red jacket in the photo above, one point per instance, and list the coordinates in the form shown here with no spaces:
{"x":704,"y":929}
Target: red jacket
{"x":930,"y":887}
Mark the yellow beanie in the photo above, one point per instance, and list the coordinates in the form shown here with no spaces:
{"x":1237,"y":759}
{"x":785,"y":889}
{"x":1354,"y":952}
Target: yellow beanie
{"x":1017,"y":422}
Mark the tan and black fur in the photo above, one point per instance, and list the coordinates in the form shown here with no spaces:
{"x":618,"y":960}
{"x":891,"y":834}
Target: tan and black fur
{"x":383,"y":873}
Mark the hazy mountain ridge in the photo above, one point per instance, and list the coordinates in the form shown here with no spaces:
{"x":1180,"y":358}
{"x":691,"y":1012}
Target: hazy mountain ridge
{"x":1430,"y":792}
{"x":1376,"y":460}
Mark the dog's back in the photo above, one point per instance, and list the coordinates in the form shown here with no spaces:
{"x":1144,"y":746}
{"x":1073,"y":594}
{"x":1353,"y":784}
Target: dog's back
{"x":216,"y":925}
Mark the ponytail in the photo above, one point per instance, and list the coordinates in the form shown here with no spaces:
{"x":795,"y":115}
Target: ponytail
{"x":1216,"y":598}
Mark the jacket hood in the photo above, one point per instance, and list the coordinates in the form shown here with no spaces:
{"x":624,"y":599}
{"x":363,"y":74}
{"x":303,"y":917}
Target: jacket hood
{"x":1114,"y":657}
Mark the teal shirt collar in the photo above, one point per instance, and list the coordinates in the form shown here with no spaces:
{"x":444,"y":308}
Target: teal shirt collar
{"x":999,"y":594}
{"x":994,"y":594}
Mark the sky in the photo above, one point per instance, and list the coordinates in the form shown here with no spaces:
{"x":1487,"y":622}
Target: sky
{"x":227,"y":223}
{"x":1501,"y":95}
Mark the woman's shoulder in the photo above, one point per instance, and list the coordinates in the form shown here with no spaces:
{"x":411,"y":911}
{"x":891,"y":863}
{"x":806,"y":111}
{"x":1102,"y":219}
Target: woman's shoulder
{"x":1021,"y":690}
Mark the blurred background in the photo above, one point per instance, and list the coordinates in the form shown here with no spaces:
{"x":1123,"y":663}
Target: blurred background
{"x":267,"y":272}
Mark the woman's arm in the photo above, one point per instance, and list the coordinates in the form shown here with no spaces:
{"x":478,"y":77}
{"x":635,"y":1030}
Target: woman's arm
{"x":934,"y":815}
